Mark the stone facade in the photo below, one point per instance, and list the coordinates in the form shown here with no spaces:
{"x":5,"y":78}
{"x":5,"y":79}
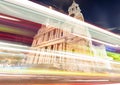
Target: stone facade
{"x":56,"y":48}
{"x":51,"y":40}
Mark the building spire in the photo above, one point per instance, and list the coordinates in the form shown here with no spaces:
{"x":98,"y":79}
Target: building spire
{"x":74,"y":11}
{"x":74,"y":1}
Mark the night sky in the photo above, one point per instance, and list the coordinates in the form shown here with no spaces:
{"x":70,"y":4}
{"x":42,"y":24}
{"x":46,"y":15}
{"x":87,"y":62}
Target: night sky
{"x":102,"y":13}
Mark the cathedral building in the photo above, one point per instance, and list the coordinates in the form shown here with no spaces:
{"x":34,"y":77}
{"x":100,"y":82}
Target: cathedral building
{"x":58,"y":45}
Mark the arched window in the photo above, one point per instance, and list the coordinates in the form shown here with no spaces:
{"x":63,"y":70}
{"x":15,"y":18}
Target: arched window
{"x":72,"y":9}
{"x":76,"y":7}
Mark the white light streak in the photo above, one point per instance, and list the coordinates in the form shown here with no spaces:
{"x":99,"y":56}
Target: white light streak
{"x":98,"y":41}
{"x":9,"y":18}
{"x":47,"y":11}
{"x":89,"y":80}
{"x":112,"y":84}
{"x":14,"y":45}
{"x":57,"y":53}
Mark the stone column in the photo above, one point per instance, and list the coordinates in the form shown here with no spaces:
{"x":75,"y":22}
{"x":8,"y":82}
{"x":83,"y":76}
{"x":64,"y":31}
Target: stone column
{"x":59,"y":31}
{"x":64,"y":46}
{"x":41,"y":39}
{"x":46,"y":38}
{"x":51,"y":35}
{"x":41,"y":58}
{"x":60,"y":47}
{"x":33,"y":43}
{"x":36,"y":57}
{"x":55,"y":33}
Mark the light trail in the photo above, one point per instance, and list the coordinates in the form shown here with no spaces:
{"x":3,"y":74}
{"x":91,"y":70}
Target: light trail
{"x":9,"y":18}
{"x":60,"y":16}
{"x":98,"y":80}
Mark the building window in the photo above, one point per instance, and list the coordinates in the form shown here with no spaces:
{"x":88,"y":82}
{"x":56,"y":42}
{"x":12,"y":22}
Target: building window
{"x":61,"y":33}
{"x":54,"y":32}
{"x":51,"y":47}
{"x":46,"y":47}
{"x":72,"y":9}
{"x":72,"y":15}
{"x":76,"y":7}
{"x":58,"y":46}
{"x":48,"y":36}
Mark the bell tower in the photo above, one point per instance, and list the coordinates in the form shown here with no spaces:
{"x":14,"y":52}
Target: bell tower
{"x":74,"y":11}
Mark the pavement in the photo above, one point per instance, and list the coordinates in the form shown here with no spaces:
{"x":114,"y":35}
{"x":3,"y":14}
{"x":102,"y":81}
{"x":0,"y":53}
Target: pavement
{"x":40,"y":76}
